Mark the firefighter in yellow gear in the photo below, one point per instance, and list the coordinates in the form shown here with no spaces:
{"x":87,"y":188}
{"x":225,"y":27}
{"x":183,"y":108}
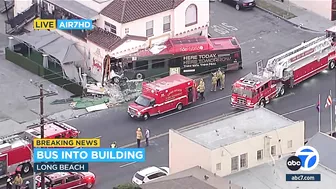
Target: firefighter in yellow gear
{"x":214,"y":82}
{"x":138,"y":136}
{"x":221,"y":78}
{"x":114,"y":144}
{"x":201,"y":88}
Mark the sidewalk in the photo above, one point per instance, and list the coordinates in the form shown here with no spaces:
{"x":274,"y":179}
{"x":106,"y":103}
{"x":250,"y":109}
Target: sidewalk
{"x":295,"y":15}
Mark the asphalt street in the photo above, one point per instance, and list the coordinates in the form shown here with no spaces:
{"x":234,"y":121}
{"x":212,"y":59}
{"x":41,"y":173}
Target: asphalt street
{"x":261,"y":37}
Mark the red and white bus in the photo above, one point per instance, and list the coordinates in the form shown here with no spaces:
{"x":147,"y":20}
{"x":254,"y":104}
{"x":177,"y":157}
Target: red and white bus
{"x":185,"y":56}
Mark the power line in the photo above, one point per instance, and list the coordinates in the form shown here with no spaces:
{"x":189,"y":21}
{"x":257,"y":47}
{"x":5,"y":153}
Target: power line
{"x":41,"y":96}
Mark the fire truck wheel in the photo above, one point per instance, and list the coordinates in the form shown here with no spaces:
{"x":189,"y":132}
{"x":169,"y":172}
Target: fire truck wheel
{"x":89,"y":185}
{"x":237,"y":7}
{"x":262,"y":103}
{"x":145,"y":116}
{"x":26,"y":168}
{"x":139,"y":76}
{"x":179,"y":107}
{"x":282,"y":91}
{"x":332,"y":64}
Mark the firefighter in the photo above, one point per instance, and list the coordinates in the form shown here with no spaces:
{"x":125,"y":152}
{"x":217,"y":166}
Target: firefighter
{"x":214,"y":82}
{"x":138,"y":136}
{"x":221,"y":78}
{"x":18,"y":181}
{"x":201,"y":89}
{"x":219,"y":75}
{"x":114,"y":144}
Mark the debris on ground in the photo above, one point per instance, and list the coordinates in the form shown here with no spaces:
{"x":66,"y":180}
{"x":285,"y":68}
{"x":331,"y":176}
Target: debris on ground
{"x":98,"y":97}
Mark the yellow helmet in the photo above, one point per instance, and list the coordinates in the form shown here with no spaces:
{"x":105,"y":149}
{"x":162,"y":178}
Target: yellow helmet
{"x":139,"y":129}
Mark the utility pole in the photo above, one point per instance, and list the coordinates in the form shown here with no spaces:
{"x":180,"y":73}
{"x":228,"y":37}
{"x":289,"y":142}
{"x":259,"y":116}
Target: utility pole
{"x":42,"y":122}
{"x":42,"y":128}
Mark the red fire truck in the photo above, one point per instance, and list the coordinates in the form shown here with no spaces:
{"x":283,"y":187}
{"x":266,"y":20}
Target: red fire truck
{"x":163,"y":95}
{"x":284,"y":71}
{"x":16,"y":149}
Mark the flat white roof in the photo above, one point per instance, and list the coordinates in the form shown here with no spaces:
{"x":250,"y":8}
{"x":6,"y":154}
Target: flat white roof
{"x":267,"y":176}
{"x":231,"y":129}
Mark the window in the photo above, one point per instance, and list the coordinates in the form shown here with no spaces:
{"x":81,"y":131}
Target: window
{"x":289,"y":144}
{"x":174,"y":62}
{"x":158,"y":63}
{"x":141,"y":65}
{"x":234,"y":163}
{"x":149,"y":28}
{"x":260,"y":154}
{"x":273,"y":150}
{"x":110,"y":28}
{"x":243,"y":161}
{"x":156,"y":175}
{"x":218,"y":166}
{"x":57,"y":183}
{"x":126,"y":30}
{"x":166,"y":23}
{"x":140,"y":177}
{"x":72,"y":178}
{"x":191,"y":15}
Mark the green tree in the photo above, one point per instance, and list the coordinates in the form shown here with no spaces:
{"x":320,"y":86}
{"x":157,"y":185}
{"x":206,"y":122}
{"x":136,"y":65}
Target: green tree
{"x":127,"y":186}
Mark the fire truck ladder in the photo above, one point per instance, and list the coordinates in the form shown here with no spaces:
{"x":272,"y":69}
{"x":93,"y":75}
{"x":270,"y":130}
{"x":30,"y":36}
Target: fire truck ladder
{"x":271,"y":63}
{"x":10,"y":138}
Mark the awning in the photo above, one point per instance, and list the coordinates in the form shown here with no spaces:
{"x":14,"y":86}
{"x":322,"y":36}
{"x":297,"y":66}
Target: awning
{"x":53,"y":44}
{"x":76,"y":8}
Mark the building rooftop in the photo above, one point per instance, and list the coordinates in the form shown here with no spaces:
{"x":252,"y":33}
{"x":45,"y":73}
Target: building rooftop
{"x":231,"y":129}
{"x":123,"y":11}
{"x":192,"y":178}
{"x":108,"y":40}
{"x":76,"y":8}
{"x":267,"y":176}
{"x":319,"y":141}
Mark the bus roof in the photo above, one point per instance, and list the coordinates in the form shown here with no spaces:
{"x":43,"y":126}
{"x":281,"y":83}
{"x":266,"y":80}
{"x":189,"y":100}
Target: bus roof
{"x":168,"y":82}
{"x":189,"y":45}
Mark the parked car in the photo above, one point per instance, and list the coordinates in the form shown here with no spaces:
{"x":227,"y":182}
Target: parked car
{"x":149,"y":174}
{"x":240,"y":4}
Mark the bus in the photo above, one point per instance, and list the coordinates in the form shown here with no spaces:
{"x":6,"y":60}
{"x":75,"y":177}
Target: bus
{"x":186,"y":56}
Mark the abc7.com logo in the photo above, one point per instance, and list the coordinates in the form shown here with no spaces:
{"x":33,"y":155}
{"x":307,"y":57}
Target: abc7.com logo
{"x":306,"y":159}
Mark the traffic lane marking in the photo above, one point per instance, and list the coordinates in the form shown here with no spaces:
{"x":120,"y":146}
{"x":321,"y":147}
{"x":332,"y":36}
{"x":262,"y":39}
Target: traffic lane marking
{"x":299,"y":109}
{"x":196,"y":106}
{"x":127,"y":164}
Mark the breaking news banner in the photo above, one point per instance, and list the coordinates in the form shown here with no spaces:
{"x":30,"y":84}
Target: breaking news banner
{"x":303,"y":177}
{"x":67,"y":143}
{"x":52,"y":24}
{"x":86,"y":155}
{"x":61,"y":167}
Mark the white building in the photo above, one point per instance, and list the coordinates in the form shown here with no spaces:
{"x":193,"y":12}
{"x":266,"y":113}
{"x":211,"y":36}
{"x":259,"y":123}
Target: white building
{"x":231,"y":144}
{"x":325,"y":8}
{"x":129,"y":25}
{"x":268,"y":176}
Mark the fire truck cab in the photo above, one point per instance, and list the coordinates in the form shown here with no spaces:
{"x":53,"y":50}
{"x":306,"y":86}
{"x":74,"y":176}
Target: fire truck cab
{"x":16,"y":149}
{"x":253,"y":91}
{"x":163,"y":95}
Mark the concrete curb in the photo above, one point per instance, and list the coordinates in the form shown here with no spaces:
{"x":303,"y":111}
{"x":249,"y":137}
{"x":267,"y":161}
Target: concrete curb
{"x":286,"y":20}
